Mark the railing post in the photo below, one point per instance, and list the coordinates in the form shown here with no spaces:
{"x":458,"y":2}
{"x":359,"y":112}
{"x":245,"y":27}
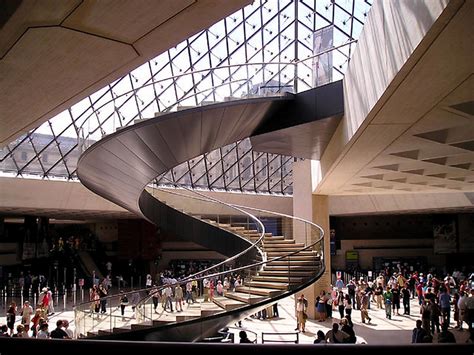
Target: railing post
{"x":306,"y":235}
{"x":64,"y":297}
{"x":74,"y":295}
{"x":57,"y":296}
{"x":74,"y":276}
{"x":110,"y":314}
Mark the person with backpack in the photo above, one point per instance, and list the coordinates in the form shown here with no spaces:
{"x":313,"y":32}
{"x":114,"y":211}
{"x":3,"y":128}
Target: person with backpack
{"x":123,"y":303}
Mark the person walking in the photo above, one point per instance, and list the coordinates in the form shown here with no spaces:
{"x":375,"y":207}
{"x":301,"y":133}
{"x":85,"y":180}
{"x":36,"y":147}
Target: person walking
{"x":364,"y":304}
{"x":301,"y":315}
{"x":123,"y":303}
{"x":387,"y":296}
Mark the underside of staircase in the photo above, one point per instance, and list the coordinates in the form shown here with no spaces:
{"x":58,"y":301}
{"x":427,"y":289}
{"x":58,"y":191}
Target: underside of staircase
{"x":120,"y":166}
{"x":259,"y":290}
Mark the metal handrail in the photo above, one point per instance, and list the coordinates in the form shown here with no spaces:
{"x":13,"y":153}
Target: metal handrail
{"x":254,"y":245}
{"x":265,"y":211}
{"x":86,"y":305}
{"x":268,"y":261}
{"x":144,"y":300}
{"x":248,"y":208}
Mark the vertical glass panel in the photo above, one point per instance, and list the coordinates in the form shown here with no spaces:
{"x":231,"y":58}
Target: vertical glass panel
{"x":198,"y":173}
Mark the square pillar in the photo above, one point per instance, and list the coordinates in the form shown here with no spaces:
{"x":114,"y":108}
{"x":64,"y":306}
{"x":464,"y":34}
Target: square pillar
{"x":314,"y":208}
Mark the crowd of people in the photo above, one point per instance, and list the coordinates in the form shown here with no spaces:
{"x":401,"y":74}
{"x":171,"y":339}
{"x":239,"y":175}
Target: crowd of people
{"x":34,"y":324}
{"x":440,"y":299}
{"x":445,"y":303}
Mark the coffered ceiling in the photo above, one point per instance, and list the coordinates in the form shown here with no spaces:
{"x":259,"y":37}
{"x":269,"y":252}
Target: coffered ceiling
{"x":435,"y":154}
{"x":419,"y":136}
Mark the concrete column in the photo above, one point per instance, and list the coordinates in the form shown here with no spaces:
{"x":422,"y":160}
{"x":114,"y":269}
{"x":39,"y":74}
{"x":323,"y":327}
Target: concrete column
{"x":287,"y":228}
{"x":313,"y":208}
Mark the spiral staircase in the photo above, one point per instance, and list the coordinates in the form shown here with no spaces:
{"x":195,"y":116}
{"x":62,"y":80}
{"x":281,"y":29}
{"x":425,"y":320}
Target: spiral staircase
{"x":119,"y":168}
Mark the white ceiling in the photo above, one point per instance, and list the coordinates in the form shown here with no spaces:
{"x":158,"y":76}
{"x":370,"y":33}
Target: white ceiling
{"x":55,"y":53}
{"x":420,"y":137}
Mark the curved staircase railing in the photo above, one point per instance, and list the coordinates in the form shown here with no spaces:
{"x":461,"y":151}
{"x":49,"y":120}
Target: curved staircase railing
{"x":286,"y":267}
{"x":92,"y":322}
{"x":121,"y":165}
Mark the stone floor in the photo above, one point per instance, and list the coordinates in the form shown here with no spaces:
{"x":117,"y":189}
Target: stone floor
{"x":396,"y":331}
{"x":380,"y":331}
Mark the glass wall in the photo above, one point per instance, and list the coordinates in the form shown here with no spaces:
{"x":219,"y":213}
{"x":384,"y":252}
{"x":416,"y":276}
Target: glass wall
{"x":267,"y":48}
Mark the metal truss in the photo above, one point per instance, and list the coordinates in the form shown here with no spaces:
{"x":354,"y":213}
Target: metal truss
{"x":263,"y":49}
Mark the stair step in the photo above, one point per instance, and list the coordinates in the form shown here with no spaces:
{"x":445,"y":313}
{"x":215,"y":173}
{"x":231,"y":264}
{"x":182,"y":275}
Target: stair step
{"x":92,"y":334}
{"x":144,"y":325}
{"x":104,"y":332}
{"x":210,"y":312}
{"x":250,"y":231}
{"x":194,"y":307}
{"x":292,"y":263}
{"x":208,"y":309}
{"x":298,"y":257}
{"x":255,"y":236}
{"x":185,"y":317}
{"x":228,"y":303}
{"x":283,"y":279}
{"x":193,"y":312}
{"x":258,"y":291}
{"x":282,"y":245}
{"x":283,"y":253}
{"x":285,"y":249}
{"x":182,"y":108}
{"x":245,"y":297}
{"x":121,"y":330}
{"x":268,"y":238}
{"x":278,"y":241}
{"x":138,"y":120}
{"x":284,"y":273}
{"x":292,"y":267}
{"x":267,"y":284}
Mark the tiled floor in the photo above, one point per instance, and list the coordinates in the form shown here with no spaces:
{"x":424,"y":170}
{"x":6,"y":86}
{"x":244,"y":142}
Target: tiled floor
{"x":396,"y":331}
{"x":381,"y":330}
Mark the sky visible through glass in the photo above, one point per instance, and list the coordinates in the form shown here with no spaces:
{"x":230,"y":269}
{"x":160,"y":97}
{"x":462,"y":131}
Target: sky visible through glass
{"x":266,"y":48}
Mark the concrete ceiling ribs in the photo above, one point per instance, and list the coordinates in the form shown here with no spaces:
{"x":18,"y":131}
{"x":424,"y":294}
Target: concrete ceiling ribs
{"x":414,"y":129}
